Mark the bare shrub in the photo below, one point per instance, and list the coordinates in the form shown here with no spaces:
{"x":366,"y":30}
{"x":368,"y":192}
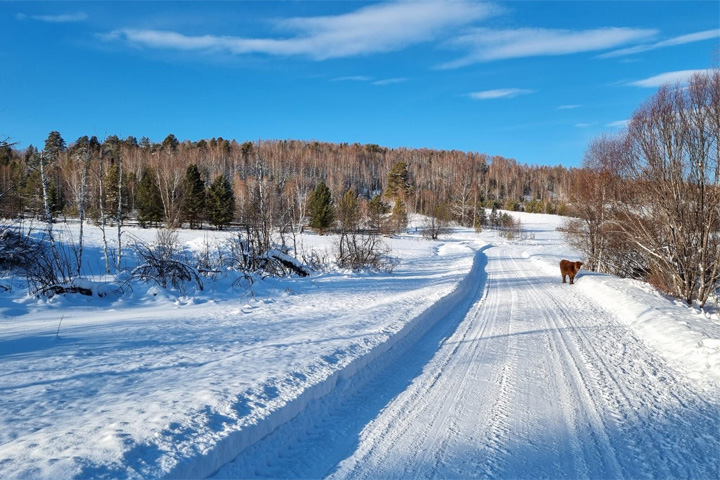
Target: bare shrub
{"x":16,"y":250}
{"x":211,"y":260}
{"x":47,"y":266}
{"x":316,"y":260}
{"x":512,"y":228}
{"x":358,"y":251}
{"x":162,"y":263}
{"x":251,"y":256}
{"x":438,"y":223}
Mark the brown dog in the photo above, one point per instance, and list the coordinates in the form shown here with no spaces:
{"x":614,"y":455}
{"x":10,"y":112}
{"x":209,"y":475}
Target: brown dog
{"x":570,"y":269}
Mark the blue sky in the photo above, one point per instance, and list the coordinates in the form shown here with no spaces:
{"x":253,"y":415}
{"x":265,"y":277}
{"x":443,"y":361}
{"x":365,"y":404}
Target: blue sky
{"x":531,"y":80}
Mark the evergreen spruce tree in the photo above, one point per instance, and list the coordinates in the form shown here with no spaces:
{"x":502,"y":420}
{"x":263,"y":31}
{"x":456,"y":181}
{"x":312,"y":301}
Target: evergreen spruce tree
{"x":56,"y":198}
{"x":32,"y":192}
{"x":220,"y":202}
{"x":480,"y":218}
{"x":494,"y":217}
{"x":320,"y":208}
{"x":149,"y":201}
{"x":112,"y":194}
{"x":194,"y":196}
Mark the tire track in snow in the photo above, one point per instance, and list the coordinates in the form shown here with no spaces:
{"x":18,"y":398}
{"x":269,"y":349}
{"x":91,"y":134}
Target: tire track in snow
{"x":425,"y":399}
{"x":578,"y":401}
{"x":643,"y":401}
{"x":528,"y":378}
{"x":619,"y":374}
{"x":564,"y":399}
{"x":312,"y":443}
{"x":438,"y":448}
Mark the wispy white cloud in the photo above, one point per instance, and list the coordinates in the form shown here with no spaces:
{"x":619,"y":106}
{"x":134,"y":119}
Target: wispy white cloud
{"x":681,"y":40}
{"x":353,"y":78}
{"x":372,"y":29}
{"x":568,"y":107}
{"x":499,"y":93}
{"x":618,"y":124}
{"x":668,"y":78}
{"x":370,"y":80}
{"x":389,"y":81}
{"x":486,"y":45}
{"x":63,"y":18}
{"x":582,"y":125}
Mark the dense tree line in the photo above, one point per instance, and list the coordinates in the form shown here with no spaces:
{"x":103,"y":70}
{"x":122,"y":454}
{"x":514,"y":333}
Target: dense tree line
{"x":175,"y":182}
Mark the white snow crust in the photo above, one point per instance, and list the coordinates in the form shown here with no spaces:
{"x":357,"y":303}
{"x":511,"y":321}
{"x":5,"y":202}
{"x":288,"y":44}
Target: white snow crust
{"x":157,"y":383}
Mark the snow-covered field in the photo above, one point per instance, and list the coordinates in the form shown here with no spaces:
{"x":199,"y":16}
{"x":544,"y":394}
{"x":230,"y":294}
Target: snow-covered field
{"x":469,"y":359}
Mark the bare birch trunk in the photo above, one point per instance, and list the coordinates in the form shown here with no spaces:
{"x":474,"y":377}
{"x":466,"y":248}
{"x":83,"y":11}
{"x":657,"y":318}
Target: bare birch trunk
{"x":103,"y":220}
{"x":119,"y":214}
{"x":81,"y":206}
{"x":46,"y":201}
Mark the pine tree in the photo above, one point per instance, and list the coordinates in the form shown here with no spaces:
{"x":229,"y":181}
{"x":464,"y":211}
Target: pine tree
{"x":5,"y":153}
{"x":349,"y":212}
{"x":54,"y":146}
{"x":398,"y":217}
{"x":170,"y":143}
{"x":194,"y":196}
{"x":397,"y":182}
{"x":149,"y":201}
{"x":320,"y":208}
{"x":220,"y":202}
{"x":376,"y":209}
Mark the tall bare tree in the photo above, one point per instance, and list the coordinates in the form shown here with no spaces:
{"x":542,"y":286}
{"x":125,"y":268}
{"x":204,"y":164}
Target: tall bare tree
{"x":671,"y":203}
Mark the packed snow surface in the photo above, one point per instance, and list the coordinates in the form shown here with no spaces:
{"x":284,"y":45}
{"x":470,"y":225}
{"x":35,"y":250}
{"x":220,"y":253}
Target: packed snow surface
{"x":469,"y":359}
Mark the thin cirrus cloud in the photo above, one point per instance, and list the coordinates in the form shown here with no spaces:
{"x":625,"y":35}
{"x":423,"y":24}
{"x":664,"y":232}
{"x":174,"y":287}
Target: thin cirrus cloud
{"x":370,"y":80}
{"x":499,"y":93}
{"x":372,"y":29}
{"x":681,"y":40}
{"x":352,"y":78}
{"x":389,"y":81}
{"x":487,"y":45}
{"x":62,"y":18}
{"x":618,"y":124}
{"x":668,"y":78}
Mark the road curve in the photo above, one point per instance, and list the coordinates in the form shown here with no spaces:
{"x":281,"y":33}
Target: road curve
{"x":530,"y":379}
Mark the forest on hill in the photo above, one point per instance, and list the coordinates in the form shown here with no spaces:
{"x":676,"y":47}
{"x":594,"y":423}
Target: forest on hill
{"x":644,"y":204}
{"x":154,"y":181}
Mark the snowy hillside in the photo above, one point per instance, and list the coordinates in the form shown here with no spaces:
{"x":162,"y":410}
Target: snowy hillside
{"x":319,"y":375}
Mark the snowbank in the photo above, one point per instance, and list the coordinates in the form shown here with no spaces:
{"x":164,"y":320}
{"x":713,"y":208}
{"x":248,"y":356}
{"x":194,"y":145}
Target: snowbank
{"x":157,"y":383}
{"x":686,"y":337}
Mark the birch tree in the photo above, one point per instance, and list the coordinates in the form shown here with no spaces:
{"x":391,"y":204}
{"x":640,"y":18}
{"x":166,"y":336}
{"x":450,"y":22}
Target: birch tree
{"x":671,"y":203}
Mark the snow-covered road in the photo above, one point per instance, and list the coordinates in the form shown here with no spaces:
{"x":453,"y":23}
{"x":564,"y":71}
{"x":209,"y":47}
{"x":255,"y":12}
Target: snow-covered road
{"x":469,"y":359}
{"x":525,"y":377}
